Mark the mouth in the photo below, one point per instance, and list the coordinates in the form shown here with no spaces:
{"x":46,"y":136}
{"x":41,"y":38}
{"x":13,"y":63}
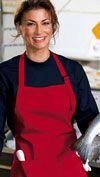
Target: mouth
{"x":38,"y":39}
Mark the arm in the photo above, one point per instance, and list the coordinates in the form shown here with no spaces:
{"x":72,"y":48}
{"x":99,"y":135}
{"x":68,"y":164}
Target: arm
{"x":86,"y":106}
{"x":3,"y":107}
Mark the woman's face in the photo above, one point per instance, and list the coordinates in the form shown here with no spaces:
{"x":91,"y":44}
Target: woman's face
{"x":36,"y":29}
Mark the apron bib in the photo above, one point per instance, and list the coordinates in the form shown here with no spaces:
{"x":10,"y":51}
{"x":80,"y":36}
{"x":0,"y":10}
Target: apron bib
{"x":43,"y":129}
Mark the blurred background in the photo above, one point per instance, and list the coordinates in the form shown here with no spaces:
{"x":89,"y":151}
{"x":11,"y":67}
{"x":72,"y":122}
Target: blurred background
{"x":78,"y":38}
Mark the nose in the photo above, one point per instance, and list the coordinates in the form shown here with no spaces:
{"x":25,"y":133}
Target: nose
{"x":38,"y":29}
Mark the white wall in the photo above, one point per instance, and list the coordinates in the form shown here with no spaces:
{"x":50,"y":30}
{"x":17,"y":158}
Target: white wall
{"x":77,"y":18}
{"x":11,"y":46}
{"x":75,"y":35}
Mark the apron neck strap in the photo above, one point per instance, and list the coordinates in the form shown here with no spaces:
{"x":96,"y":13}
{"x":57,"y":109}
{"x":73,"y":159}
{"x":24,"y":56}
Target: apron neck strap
{"x":21,"y":74}
{"x":60,"y":67}
{"x":67,"y":82}
{"x":64,"y":74}
{"x":22,"y":66}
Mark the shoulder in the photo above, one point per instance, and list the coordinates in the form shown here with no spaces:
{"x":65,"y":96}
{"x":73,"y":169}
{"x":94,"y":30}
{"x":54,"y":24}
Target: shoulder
{"x":75,"y":71}
{"x":9,"y":65}
{"x":71,"y":65}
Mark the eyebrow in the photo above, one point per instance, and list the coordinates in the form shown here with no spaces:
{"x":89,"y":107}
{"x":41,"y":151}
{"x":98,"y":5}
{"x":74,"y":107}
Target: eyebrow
{"x":35,"y":21}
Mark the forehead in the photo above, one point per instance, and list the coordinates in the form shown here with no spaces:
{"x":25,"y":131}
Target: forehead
{"x":36,"y":14}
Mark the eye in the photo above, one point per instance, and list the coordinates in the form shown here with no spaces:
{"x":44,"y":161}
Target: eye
{"x":46,"y":23}
{"x":30,"y":24}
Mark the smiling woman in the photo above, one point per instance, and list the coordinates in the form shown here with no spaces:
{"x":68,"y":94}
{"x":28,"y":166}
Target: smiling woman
{"x":41,"y":94}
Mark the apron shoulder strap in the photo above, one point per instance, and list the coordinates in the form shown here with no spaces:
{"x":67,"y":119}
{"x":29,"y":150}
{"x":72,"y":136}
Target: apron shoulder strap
{"x":64,"y":73}
{"x":21,"y":70}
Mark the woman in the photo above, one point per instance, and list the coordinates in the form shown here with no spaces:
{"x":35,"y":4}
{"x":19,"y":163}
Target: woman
{"x":41,"y":93}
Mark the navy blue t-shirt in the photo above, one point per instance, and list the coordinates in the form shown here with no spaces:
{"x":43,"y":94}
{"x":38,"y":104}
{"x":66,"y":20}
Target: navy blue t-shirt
{"x":41,"y":75}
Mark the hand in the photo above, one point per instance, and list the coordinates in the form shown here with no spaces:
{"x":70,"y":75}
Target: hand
{"x":20,"y":155}
{"x":86,"y":165}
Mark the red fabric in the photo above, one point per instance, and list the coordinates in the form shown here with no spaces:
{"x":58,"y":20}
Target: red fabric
{"x":44,"y":131}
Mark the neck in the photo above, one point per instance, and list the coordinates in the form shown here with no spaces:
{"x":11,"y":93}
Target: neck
{"x":39,"y":55}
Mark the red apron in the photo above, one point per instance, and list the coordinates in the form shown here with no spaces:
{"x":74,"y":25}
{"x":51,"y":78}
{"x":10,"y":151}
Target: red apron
{"x":43,"y":129}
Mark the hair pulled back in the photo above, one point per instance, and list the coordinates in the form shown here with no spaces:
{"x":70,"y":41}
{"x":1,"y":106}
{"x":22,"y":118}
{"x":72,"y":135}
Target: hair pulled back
{"x":28,"y":5}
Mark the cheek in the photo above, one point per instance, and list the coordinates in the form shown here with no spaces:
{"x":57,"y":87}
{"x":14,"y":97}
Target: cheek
{"x":26,"y":33}
{"x":50,"y":32}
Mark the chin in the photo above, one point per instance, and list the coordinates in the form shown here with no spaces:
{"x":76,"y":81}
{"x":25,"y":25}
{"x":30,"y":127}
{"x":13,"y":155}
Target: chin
{"x":41,"y":47}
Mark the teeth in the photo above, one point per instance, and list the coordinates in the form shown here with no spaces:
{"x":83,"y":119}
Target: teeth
{"x":38,"y":38}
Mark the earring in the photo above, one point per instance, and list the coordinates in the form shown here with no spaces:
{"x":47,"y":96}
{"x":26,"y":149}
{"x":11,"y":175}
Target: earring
{"x":19,"y":33}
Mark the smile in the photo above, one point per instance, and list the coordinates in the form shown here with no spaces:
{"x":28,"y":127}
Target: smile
{"x":38,"y":39}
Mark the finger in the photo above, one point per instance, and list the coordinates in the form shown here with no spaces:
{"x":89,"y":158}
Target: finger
{"x":77,"y":154}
